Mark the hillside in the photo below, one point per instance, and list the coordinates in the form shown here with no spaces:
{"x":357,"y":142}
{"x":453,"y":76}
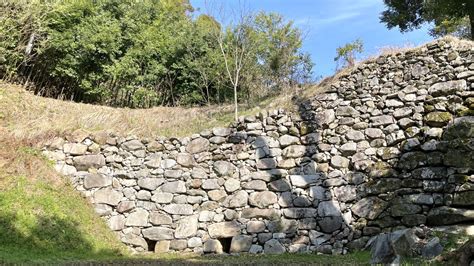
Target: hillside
{"x":43,"y":218}
{"x":47,"y":220}
{"x":35,"y":118}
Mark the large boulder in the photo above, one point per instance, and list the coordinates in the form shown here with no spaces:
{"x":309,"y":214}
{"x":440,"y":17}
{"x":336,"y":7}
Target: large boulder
{"x":97,"y":181}
{"x":448,"y":215}
{"x":262,"y":199}
{"x":241,"y":243}
{"x":213,"y":246}
{"x":255,"y":227}
{"x":108,"y":196}
{"x":266,"y":163}
{"x":224,"y":229}
{"x":287,"y":140}
{"x":222,"y":131}
{"x":75,"y":148}
{"x":158,"y":233}
{"x":162,"y":197}
{"x":304,"y":181}
{"x":369,"y":208}
{"x":237,"y":200}
{"x":330,"y":224}
{"x":174,"y":187}
{"x":187,"y":227}
{"x":150,"y":183}
{"x":465,"y":198}
{"x":85,"y":162}
{"x":179,"y":209}
{"x":294,"y":151}
{"x":347,"y":111}
{"x":197,"y":145}
{"x":432,"y":249}
{"x":157,"y":218}
{"x":447,"y":88}
{"x":250,"y":213}
{"x":224,"y":168}
{"x":279,"y":185}
{"x":438,"y":119}
{"x":273,"y":246}
{"x":133,"y":145}
{"x":137,"y":218}
{"x":134,"y":240}
{"x":329,"y":208}
{"x":185,"y":159}
{"x":389,"y":248}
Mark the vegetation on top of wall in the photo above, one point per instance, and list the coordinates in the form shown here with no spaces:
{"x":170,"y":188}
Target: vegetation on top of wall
{"x":146,"y":53}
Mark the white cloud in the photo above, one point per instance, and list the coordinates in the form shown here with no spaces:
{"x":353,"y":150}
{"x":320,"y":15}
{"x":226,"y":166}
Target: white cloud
{"x":318,"y":22}
{"x":341,"y":11}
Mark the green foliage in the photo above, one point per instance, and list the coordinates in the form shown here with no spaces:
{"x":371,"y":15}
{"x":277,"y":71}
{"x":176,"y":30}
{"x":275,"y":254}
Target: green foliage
{"x":452,"y":26}
{"x":142,"y":53}
{"x":278,"y":51}
{"x":346,"y":55}
{"x":449,"y":16}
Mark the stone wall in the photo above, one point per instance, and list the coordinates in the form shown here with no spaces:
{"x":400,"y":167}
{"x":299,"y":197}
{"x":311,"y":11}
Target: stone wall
{"x":387,"y":146}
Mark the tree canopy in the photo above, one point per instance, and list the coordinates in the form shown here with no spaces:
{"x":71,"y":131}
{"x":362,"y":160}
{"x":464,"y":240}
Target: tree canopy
{"x":346,"y":55}
{"x":449,"y":16}
{"x":144,"y":53}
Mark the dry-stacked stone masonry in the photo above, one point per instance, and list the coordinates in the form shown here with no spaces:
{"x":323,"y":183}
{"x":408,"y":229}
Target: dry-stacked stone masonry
{"x":389,"y":145}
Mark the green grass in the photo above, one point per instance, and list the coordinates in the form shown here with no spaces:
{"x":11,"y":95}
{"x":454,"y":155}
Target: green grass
{"x":358,"y":258}
{"x":40,"y":222}
{"x":42,"y":218}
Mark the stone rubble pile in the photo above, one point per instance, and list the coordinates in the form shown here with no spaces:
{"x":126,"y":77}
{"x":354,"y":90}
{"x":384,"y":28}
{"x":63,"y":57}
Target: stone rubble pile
{"x":386,"y":147}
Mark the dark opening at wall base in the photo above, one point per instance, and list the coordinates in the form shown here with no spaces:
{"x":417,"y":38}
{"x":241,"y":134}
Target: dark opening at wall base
{"x":225,"y":242}
{"x":151,"y":244}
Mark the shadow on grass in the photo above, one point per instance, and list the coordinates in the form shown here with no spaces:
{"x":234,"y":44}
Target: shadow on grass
{"x":45,"y":239}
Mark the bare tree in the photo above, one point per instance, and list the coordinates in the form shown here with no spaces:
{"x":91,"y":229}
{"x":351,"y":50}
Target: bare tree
{"x":233,"y":42}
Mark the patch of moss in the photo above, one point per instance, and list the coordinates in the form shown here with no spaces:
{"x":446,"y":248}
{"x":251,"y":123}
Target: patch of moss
{"x":438,"y":118}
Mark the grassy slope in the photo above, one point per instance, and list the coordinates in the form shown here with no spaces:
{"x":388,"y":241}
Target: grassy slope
{"x":28,"y":116}
{"x":41,"y":216}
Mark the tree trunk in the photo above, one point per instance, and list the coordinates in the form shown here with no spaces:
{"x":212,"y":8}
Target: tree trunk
{"x":236,"y":114}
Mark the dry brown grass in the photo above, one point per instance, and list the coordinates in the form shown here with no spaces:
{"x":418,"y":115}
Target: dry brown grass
{"x":29,"y":117}
{"x":36,"y":119}
{"x":18,"y":159}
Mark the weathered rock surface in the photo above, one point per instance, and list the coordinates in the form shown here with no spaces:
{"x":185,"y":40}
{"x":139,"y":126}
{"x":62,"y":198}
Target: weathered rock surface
{"x":224,"y":229}
{"x":388,"y":145}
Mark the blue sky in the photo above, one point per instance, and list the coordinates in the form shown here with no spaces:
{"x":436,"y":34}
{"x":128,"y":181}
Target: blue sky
{"x":329,"y":24}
